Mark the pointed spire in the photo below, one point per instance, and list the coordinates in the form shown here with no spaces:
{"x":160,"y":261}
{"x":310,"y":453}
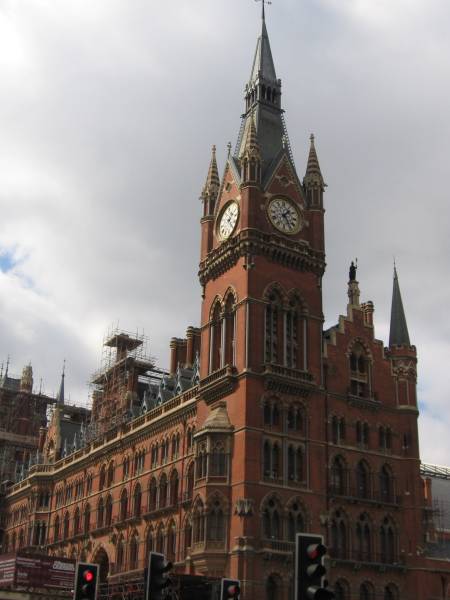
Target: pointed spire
{"x":212,"y":185}
{"x":263,"y":65}
{"x":212,"y":180}
{"x":251,"y":146}
{"x":60,"y":394}
{"x":263,"y":104}
{"x":313,"y":175}
{"x":398,"y":335}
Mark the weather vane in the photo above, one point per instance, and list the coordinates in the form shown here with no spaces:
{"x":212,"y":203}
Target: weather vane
{"x":264,"y":2}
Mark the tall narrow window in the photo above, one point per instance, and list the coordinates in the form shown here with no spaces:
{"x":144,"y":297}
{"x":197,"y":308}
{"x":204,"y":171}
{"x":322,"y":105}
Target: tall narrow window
{"x":137,"y":500}
{"x":124,"y":505}
{"x":134,"y":552}
{"x":190,"y":481}
{"x":386,"y":487}
{"x":87,"y":519}
{"x":216,"y":339}
{"x":359,"y":372}
{"x":362,"y":480}
{"x":291,"y":357}
{"x":100,"y":513}
{"x":108,"y":511}
{"x":173,"y":500}
{"x":229,"y":331}
{"x":163,"y":491}
{"x":272,"y":329}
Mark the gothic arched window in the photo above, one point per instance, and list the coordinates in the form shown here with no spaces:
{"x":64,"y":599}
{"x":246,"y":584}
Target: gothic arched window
{"x":291,"y":327}
{"x":218,"y":460}
{"x":271,"y":520}
{"x":134,"y":552}
{"x":363,"y":480}
{"x":56,"y":530}
{"x":338,"y":476}
{"x":216,"y":523}
{"x":215,"y":340}
{"x":152,"y":494}
{"x":386,"y":484}
{"x":388,"y":543}
{"x":173,"y":500}
{"x":76,"y":521}
{"x":87,"y":519}
{"x":108,"y":511}
{"x":339,"y":538}
{"x":123,"y":505}
{"x":199,"y":522}
{"x":190,"y":481}
{"x":149,"y":545}
{"x":110,"y":477}
{"x":341,"y":590}
{"x":100,"y":513}
{"x":272,"y":336}
{"x":229,"y":331}
{"x":366,"y":591}
{"x":295,"y":521}
{"x":120,"y":554}
{"x":137,"y":500}
{"x":102,"y":478}
{"x":163,"y":491}
{"x":171,"y":541}
{"x":363,"y":539}
{"x":160,"y":539}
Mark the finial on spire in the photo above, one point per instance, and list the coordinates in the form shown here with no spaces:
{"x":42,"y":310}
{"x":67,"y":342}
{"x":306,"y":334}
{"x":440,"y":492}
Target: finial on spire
{"x":263,"y":11}
{"x":229,"y":146}
{"x":7,"y":366}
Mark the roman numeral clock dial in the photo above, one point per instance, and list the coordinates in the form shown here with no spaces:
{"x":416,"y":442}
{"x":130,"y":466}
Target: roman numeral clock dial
{"x":284,"y":215}
{"x":228,"y":220}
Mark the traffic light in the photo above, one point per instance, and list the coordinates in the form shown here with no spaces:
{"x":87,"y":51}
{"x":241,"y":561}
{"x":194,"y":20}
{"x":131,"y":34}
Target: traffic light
{"x":157,"y":579}
{"x":86,"y":581}
{"x":309,"y":568}
{"x":230,"y":589}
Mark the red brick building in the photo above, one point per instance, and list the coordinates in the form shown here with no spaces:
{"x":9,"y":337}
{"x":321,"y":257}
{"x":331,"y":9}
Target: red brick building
{"x":265,"y":424}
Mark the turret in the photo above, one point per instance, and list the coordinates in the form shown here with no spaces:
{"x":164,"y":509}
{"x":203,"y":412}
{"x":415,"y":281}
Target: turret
{"x":403,"y":354}
{"x":209,"y":198}
{"x":313,"y":181}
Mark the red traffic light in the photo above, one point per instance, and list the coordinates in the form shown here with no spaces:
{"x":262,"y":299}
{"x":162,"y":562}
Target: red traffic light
{"x":88,"y":575}
{"x":315,"y":551}
{"x":233,"y":591}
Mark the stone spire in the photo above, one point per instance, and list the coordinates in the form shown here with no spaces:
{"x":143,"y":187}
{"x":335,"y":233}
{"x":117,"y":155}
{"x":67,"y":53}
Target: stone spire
{"x":263,"y":106}
{"x":212,"y":185}
{"x":251,"y":156}
{"x":313,"y":180}
{"x":398,"y":335}
{"x":313,"y":175}
{"x":60,"y":394}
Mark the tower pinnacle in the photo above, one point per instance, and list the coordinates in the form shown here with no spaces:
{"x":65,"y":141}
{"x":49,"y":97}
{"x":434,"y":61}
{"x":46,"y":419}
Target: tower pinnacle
{"x":60,"y":394}
{"x":398,"y":335}
{"x":263,"y":105}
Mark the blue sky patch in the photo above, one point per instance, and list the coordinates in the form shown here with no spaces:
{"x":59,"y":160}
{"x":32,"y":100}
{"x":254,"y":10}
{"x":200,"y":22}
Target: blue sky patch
{"x":7,"y":261}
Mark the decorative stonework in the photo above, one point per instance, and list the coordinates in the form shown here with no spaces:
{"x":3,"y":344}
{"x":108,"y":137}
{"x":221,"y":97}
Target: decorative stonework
{"x":244,"y":507}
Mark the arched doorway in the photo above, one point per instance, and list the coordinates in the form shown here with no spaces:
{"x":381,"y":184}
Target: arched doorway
{"x":101,"y":558}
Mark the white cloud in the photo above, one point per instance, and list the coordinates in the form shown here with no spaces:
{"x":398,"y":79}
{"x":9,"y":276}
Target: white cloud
{"x":108,"y":111}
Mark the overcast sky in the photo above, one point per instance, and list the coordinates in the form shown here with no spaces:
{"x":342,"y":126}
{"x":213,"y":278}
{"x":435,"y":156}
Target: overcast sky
{"x":108,"y":110}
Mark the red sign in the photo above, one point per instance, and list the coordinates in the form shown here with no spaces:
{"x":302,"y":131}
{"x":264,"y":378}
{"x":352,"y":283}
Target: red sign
{"x":37,"y":571}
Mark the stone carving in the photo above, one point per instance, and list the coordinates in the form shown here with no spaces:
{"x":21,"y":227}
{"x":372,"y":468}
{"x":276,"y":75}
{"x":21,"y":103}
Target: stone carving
{"x":244,"y":507}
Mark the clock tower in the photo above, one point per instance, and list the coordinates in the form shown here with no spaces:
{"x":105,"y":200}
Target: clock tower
{"x":261,"y":268}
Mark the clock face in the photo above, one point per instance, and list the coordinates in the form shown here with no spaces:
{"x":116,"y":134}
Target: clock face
{"x":228,"y":220}
{"x":284,"y":215}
